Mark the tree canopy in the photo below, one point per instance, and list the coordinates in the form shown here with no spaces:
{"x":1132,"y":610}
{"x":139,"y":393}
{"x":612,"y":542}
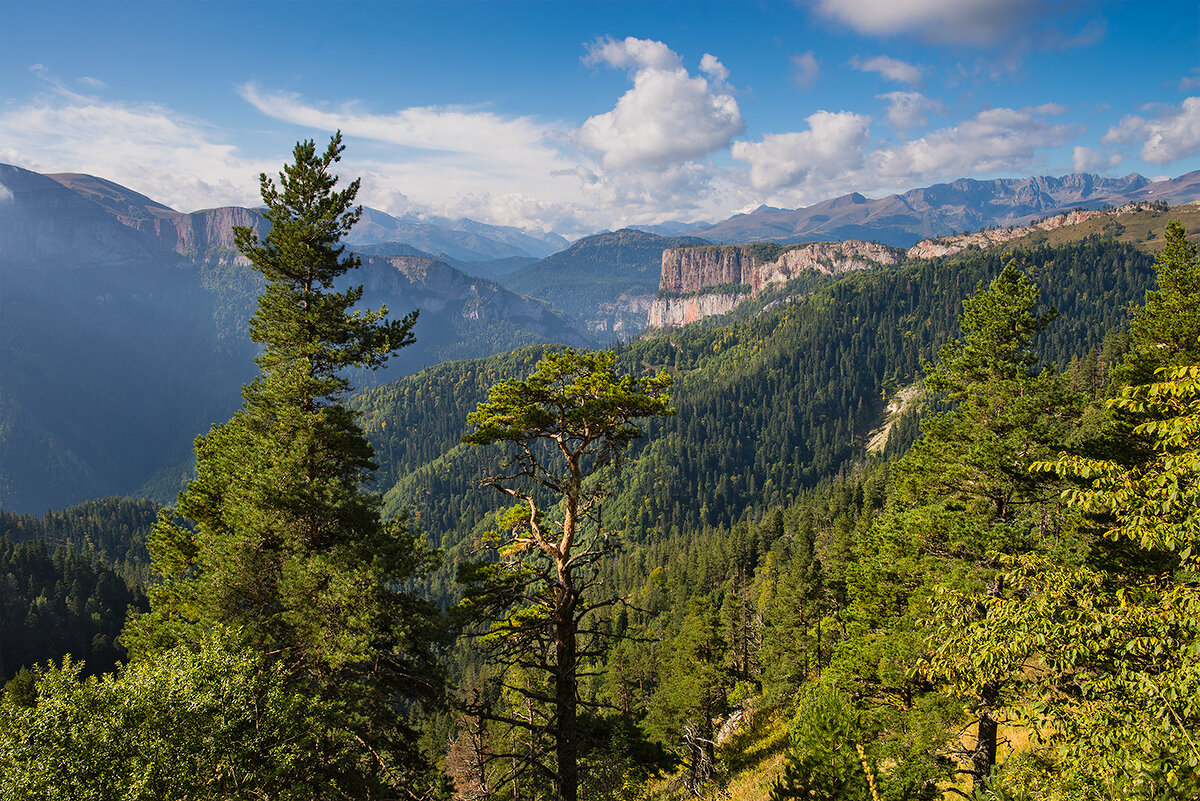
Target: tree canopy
{"x":276,"y":538}
{"x":565,"y":422}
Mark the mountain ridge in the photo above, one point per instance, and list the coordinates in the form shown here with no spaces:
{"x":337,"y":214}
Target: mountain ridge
{"x":966,"y":204}
{"x":463,"y":240}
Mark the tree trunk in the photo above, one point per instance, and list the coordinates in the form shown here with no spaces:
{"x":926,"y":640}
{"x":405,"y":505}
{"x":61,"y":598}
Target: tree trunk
{"x":565,"y":692}
{"x":983,"y":759}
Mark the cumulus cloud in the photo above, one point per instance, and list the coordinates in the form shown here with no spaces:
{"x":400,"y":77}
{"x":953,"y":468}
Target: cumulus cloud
{"x":1085,"y":159}
{"x":994,"y":140}
{"x":968,"y":22}
{"x":909,"y":110}
{"x":1173,"y":135}
{"x":668,"y":116}
{"x":891,"y":68}
{"x":834,"y":143}
{"x":805,"y":69}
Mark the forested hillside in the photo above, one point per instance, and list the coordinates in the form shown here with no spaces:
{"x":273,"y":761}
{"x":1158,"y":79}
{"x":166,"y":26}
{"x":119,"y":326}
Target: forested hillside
{"x":68,"y":580}
{"x":1008,"y":610}
{"x":999,"y":603}
{"x":770,"y":402}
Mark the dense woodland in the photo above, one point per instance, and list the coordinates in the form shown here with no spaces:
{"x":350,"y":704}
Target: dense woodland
{"x":708,"y":585}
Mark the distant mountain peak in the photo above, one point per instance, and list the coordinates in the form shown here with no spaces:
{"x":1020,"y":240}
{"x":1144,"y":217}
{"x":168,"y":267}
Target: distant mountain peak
{"x":964,"y":204}
{"x":112,"y":196}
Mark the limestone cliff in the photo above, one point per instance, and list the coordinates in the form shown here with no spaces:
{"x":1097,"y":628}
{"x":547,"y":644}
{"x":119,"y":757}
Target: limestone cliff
{"x":676,"y":312}
{"x":698,"y":282}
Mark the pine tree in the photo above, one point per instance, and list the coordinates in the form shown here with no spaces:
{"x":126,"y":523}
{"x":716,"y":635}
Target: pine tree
{"x":692,"y":693}
{"x":824,"y":761}
{"x":573,"y":416}
{"x":276,"y":537}
{"x":1166,"y":331}
{"x":963,"y":495}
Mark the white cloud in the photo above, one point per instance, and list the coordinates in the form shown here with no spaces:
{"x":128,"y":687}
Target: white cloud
{"x":149,"y":148}
{"x":994,"y":140}
{"x":1085,"y":159}
{"x":909,"y":110}
{"x":891,"y":68}
{"x":713,"y":68}
{"x":632,"y":53}
{"x":805,"y":69}
{"x":451,"y":162}
{"x":1172,"y":136}
{"x":476,"y":133}
{"x":667,"y":117}
{"x":833,"y":144}
{"x":966,"y":22}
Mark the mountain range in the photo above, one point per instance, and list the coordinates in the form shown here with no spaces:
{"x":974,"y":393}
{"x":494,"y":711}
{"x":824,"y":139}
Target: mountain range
{"x":963,"y":205}
{"x":123,"y":330}
{"x":123,"y":321}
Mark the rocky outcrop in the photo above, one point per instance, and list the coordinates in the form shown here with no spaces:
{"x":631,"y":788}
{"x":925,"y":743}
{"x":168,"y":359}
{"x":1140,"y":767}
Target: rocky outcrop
{"x":698,"y":282}
{"x":676,"y":312}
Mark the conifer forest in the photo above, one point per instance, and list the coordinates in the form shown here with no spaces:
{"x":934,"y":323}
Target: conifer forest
{"x":916,"y":532}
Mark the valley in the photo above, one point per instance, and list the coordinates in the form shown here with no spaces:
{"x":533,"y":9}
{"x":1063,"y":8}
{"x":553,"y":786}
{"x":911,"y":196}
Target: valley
{"x":782,"y":549}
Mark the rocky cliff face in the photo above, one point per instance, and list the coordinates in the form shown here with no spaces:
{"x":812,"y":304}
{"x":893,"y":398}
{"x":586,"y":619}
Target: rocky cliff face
{"x":677,"y":312}
{"x":622,"y":318}
{"x":207,"y":236}
{"x":698,"y":282}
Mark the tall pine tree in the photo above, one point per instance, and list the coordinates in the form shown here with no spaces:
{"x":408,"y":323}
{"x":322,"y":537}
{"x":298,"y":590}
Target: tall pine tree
{"x":276,"y":537}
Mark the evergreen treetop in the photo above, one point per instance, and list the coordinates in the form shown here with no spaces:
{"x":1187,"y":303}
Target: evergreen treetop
{"x":279,"y":541}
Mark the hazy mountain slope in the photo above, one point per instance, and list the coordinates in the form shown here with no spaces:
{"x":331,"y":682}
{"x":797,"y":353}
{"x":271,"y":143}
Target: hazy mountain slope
{"x":465,"y":240}
{"x":110,"y":356}
{"x":123,"y":331}
{"x":462,"y":316}
{"x":113,"y":197}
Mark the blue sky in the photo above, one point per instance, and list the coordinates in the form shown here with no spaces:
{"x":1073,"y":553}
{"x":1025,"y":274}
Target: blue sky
{"x":578,"y":117}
